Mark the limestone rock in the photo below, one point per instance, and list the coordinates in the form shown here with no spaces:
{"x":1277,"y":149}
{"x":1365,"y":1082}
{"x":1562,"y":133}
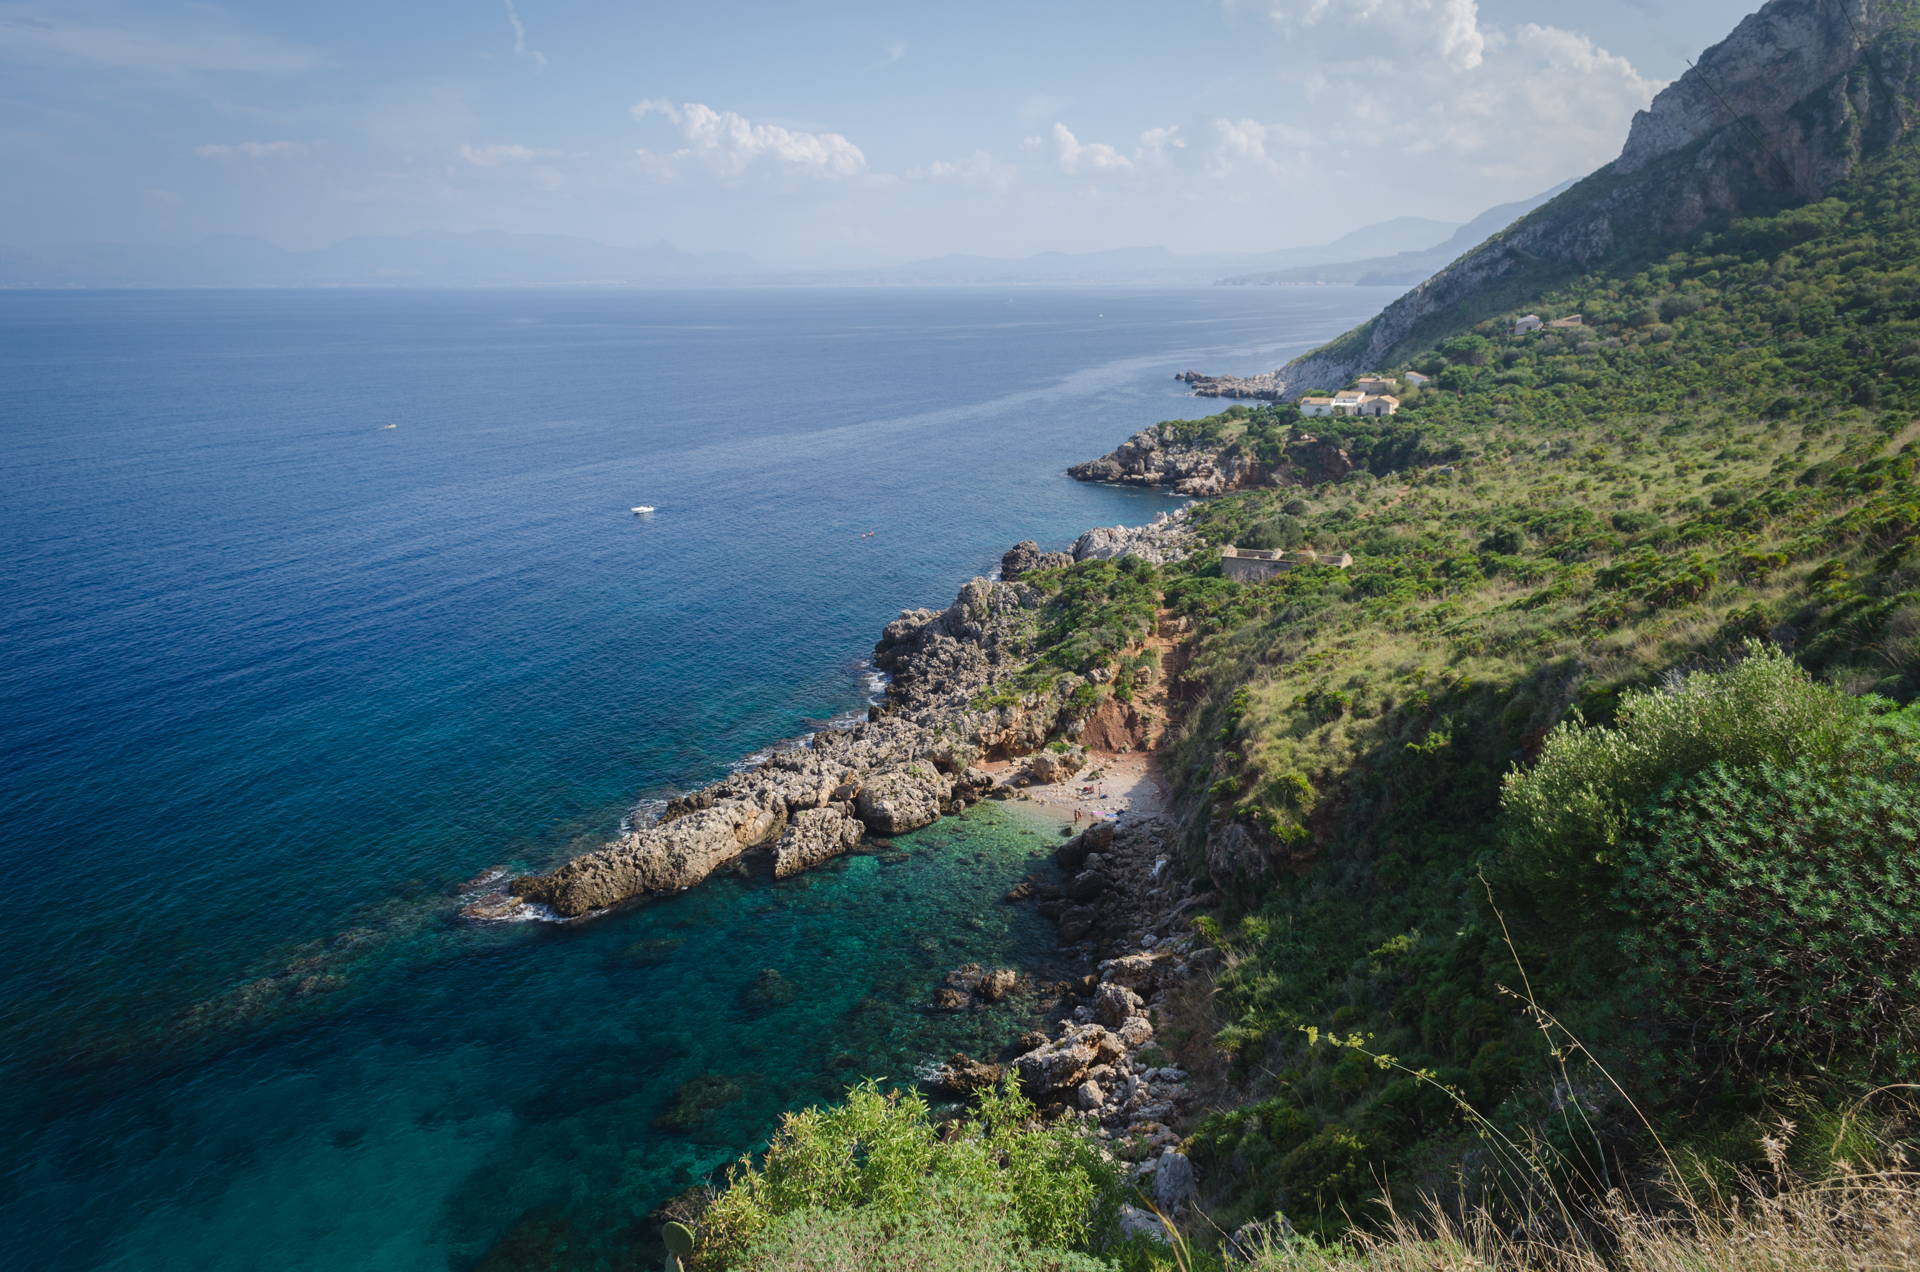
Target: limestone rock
{"x":1135,"y":1222}
{"x":1025,"y":557}
{"x":813,"y":836}
{"x":898,"y":800}
{"x":1174,"y":1186}
{"x":1063,"y":1064}
{"x":962,"y":1075}
{"x":1114,"y":1005}
{"x":1167,"y":538}
{"x":1073,"y":854}
{"x":1143,"y":971}
{"x":661,"y":858}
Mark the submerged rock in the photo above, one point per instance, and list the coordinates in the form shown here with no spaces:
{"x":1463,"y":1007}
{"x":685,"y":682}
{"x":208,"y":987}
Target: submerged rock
{"x":696,"y":1100}
{"x":769,"y":990}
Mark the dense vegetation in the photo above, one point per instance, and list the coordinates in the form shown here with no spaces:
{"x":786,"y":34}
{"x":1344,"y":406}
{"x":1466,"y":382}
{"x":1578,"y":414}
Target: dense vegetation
{"x":1586,"y":798}
{"x":874,"y":1183}
{"x":1705,"y":879}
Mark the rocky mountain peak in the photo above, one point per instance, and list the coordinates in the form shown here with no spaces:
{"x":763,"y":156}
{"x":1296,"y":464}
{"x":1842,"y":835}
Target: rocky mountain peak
{"x":1773,"y":59}
{"x":1779,"y":113}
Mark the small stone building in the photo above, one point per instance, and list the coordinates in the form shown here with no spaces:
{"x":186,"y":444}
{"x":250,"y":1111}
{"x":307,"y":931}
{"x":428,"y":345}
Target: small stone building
{"x":1253,"y":565}
{"x":1531,"y":322}
{"x":1373,"y":384}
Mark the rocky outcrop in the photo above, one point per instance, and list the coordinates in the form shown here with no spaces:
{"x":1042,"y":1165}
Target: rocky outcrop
{"x":1259,"y":388}
{"x":813,"y":836}
{"x":662,"y":858}
{"x":1025,"y":557}
{"x":915,"y":758}
{"x":1165,"y":455}
{"x":1097,"y":1066}
{"x":1780,"y":112}
{"x":974,"y":985}
{"x":961,"y":1076}
{"x":895,"y":801}
{"x":1166,"y":538}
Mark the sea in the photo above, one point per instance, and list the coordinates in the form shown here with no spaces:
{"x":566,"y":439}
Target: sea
{"x":319,"y":610}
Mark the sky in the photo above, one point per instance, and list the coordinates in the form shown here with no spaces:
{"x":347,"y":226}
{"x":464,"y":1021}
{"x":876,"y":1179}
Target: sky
{"x":835,"y":133}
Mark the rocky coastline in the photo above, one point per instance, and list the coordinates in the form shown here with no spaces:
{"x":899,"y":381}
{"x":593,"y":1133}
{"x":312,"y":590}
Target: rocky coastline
{"x":923,"y":752}
{"x":1103,"y":1061}
{"x":916,"y":757}
{"x":1165,"y":456}
{"x":1266,"y":387}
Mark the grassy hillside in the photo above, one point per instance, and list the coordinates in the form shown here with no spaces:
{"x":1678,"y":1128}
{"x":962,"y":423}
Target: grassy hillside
{"x":1723,"y":456}
{"x":1564,"y":852}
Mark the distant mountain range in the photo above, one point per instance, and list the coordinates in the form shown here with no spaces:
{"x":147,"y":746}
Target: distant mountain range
{"x":502,"y":259}
{"x":483,"y":259}
{"x":1145,"y":264}
{"x":1399,"y":267}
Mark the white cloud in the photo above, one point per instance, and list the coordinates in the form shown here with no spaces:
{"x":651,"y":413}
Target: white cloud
{"x":731,"y":145}
{"x":252,"y":151}
{"x":501,"y":155}
{"x":978,"y":170}
{"x":1432,"y":78}
{"x":1449,"y":28}
{"x":1075,"y":157}
{"x":37,"y":35}
{"x":520,"y":48}
{"x":892,"y":51}
{"x":1159,"y":146}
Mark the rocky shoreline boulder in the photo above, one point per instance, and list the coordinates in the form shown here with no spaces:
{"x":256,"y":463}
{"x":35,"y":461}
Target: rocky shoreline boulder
{"x":813,"y":836}
{"x":895,"y":801}
{"x":662,"y":858}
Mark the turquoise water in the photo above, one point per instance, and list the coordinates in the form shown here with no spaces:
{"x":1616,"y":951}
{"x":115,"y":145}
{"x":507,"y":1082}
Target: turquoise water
{"x":276,"y":678}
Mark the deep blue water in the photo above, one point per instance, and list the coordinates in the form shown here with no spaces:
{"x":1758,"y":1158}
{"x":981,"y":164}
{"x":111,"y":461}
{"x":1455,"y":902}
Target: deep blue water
{"x":276,"y":677}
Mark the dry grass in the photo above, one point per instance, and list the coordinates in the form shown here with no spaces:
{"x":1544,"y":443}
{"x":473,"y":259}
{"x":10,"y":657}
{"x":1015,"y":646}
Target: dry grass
{"x":1854,"y":1222}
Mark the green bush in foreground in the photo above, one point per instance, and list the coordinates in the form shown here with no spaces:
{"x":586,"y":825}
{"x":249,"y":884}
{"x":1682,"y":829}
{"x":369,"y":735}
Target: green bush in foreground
{"x":879,"y":1162}
{"x":958,"y":1233}
{"x":1779,"y":905}
{"x":1570,"y":816}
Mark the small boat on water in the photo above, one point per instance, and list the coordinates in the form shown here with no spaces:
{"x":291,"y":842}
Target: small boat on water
{"x":641,"y":510}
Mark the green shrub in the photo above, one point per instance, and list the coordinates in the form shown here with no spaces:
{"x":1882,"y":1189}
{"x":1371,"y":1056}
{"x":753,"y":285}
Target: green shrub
{"x":1779,"y":906}
{"x":956,"y":1232}
{"x":880,"y":1154}
{"x":1568,"y":817}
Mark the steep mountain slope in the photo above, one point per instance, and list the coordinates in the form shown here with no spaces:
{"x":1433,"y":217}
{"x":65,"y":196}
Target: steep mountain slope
{"x":1783,"y":110}
{"x":1724,"y":455}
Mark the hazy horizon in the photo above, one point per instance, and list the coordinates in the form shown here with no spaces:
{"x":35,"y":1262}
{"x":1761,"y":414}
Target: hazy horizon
{"x":851,"y":136}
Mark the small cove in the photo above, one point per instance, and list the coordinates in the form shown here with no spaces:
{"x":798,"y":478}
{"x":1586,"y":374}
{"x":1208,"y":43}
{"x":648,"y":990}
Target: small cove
{"x":275,"y":678}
